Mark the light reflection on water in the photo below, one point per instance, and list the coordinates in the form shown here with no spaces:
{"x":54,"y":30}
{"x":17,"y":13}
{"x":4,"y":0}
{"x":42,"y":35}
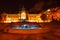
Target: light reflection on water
{"x":25,"y":26}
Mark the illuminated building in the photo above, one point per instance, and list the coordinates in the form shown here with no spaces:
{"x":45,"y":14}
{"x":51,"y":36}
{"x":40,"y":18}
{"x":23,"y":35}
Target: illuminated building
{"x":23,"y":15}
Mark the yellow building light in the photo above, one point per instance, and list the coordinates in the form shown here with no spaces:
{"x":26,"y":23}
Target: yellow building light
{"x":48,"y":10}
{"x":7,"y":21}
{"x":23,"y":15}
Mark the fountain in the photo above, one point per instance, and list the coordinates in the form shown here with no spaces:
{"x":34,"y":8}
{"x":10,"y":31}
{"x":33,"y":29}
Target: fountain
{"x":25,"y":26}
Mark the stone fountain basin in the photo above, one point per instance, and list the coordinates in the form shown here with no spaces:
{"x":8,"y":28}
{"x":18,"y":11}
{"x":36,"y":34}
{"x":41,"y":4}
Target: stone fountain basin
{"x":26,"y":30}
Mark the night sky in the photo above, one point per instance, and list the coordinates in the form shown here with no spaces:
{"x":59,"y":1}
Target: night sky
{"x":33,"y":6}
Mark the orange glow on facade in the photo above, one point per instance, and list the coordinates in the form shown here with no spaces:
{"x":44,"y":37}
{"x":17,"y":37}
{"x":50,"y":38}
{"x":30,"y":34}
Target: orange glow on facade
{"x":31,"y":17}
{"x":23,"y":15}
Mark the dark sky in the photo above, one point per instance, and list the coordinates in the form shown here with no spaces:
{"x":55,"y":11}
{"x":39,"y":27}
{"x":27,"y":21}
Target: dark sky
{"x":13,"y":6}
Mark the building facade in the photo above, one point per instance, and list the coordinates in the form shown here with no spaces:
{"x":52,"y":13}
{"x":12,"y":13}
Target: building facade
{"x":25,"y":16}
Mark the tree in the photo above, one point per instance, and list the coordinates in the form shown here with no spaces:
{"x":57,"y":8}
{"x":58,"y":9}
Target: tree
{"x":44,"y":17}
